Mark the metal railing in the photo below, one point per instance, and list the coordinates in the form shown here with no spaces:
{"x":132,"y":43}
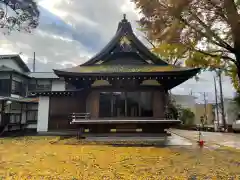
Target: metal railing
{"x":78,"y":116}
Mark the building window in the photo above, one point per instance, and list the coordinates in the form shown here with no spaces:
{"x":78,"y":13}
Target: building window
{"x":4,"y":87}
{"x":32,"y":115}
{"x":44,"y":87}
{"x":40,"y":86}
{"x":17,"y":88}
{"x":15,"y":118}
{"x":126,"y":104}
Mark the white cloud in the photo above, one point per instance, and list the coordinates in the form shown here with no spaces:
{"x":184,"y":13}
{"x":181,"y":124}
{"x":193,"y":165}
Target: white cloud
{"x":50,"y":5}
{"x":75,"y":30}
{"x":205,"y":84}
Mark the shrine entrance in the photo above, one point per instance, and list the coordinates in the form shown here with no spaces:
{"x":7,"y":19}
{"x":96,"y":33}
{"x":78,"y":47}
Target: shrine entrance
{"x":125,"y":104}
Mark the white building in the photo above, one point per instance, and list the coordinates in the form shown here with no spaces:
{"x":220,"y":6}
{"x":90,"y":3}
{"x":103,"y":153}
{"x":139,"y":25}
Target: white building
{"x":16,"y":80}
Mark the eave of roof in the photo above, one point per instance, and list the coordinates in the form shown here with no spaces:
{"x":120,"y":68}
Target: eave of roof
{"x":109,"y":69}
{"x":18,"y":60}
{"x":20,"y":100}
{"x":43,"y":75}
{"x":10,"y":70}
{"x":54,"y":93}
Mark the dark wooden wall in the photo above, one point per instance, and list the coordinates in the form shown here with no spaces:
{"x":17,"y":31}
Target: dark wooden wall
{"x":159,"y":103}
{"x":61,"y":107}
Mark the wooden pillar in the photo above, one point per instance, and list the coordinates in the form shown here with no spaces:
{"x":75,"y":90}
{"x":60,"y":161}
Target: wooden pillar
{"x":139,"y":105}
{"x":112,"y":105}
{"x":158,"y":104}
{"x":125,"y":101}
{"x":20,"y":122}
{"x":2,"y":113}
{"x":93,"y":102}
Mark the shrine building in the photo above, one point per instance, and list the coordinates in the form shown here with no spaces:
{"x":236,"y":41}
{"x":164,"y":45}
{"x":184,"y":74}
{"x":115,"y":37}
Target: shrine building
{"x":123,"y":87}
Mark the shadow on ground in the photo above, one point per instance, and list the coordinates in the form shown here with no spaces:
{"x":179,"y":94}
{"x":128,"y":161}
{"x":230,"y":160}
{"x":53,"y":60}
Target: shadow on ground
{"x":158,"y":142}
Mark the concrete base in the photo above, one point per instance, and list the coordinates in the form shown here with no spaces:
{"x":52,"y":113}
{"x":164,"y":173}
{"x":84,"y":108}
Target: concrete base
{"x":74,"y":133}
{"x":125,"y":121}
{"x":162,"y":139}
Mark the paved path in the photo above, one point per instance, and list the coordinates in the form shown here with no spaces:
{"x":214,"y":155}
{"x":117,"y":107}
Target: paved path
{"x":224,"y":139}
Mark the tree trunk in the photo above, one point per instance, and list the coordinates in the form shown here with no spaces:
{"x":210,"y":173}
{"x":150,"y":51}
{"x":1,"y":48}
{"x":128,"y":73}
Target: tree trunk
{"x":238,"y":73}
{"x":233,"y":19}
{"x":237,"y":55}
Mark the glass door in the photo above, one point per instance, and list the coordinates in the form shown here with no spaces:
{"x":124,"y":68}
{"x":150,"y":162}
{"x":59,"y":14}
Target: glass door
{"x":119,"y":104}
{"x":125,"y":104}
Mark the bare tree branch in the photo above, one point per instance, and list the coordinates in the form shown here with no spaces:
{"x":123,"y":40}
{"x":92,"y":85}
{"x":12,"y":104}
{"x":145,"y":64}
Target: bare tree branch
{"x":211,"y":33}
{"x":218,"y":9}
{"x":149,"y":41}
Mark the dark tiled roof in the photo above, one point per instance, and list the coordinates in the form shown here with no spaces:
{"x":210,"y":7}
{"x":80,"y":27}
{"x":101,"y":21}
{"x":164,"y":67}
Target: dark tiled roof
{"x":125,"y":29}
{"x":43,"y":75}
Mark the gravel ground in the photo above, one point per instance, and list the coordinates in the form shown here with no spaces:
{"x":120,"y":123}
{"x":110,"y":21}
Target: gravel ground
{"x":71,"y":159}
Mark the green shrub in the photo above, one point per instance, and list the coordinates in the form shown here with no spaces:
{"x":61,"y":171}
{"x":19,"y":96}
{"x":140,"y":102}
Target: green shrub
{"x":187,"y":116}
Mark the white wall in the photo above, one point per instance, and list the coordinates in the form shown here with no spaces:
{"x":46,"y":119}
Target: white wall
{"x":58,"y":85}
{"x":11,"y":64}
{"x":43,"y":113}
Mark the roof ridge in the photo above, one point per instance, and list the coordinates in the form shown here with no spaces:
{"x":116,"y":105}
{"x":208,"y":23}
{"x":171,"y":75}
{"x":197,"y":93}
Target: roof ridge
{"x":125,"y":30}
{"x":18,"y":60}
{"x":9,"y":55}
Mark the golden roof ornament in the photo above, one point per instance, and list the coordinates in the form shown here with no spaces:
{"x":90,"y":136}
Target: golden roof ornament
{"x":125,"y":40}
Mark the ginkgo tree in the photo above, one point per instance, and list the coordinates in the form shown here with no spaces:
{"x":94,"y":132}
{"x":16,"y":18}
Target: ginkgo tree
{"x":204,"y":33}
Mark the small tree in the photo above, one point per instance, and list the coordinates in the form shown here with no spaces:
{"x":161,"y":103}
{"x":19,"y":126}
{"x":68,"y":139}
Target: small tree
{"x":235,"y":106}
{"x":187,"y":116}
{"x":172,"y":109}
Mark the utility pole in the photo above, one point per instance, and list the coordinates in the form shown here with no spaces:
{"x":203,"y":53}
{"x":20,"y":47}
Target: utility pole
{"x":205,"y":106}
{"x":221,"y":99}
{"x":191,"y":93}
{"x":216,"y":101}
{"x":34,"y":61}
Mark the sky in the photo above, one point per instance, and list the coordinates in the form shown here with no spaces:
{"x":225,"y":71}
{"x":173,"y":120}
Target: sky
{"x":71,"y":31}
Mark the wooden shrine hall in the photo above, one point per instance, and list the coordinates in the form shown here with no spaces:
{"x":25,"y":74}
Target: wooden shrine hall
{"x":123,"y":87}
